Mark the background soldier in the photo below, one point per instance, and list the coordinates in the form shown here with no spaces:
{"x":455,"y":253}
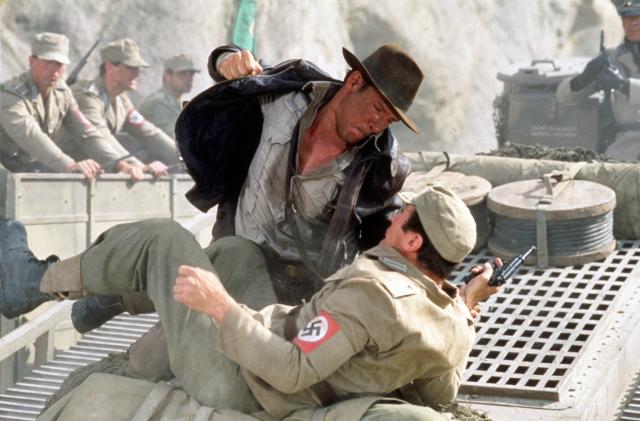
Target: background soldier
{"x":617,"y":73}
{"x":36,"y":105}
{"x":105,"y":103}
{"x":163,"y":106}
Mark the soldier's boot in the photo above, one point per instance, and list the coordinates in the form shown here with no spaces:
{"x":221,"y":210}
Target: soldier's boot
{"x":22,"y":274}
{"x":92,"y":312}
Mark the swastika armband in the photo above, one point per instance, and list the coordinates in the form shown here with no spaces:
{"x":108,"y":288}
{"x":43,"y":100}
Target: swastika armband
{"x":135,"y":118}
{"x":319,"y":330}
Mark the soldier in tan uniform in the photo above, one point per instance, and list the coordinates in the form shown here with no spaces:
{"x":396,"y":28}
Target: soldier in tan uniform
{"x":616,"y":71}
{"x":389,"y":320}
{"x":104,"y":102}
{"x":163,"y":106}
{"x":36,"y":105}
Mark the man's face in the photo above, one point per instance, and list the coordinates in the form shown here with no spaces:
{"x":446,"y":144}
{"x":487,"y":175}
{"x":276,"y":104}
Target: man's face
{"x":125,"y":77}
{"x":395,"y":236}
{"x":631,"y":26}
{"x":45,"y":73}
{"x":180,"y":81}
{"x":364,"y":113}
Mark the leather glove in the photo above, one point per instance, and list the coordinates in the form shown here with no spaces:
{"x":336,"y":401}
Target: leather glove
{"x":611,"y":78}
{"x":590,"y":73}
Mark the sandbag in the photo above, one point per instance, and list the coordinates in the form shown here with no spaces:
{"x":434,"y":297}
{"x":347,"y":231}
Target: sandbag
{"x":624,"y":179}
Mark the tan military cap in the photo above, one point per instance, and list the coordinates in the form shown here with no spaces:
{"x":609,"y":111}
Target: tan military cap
{"x":51,"y":46}
{"x":180,"y":63}
{"x":446,"y":220}
{"x":123,"y":51}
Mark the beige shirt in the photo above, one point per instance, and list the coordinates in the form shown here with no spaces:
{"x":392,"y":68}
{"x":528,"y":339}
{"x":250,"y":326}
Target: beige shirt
{"x":375,"y":326}
{"x":111,"y":116}
{"x":260,"y":215}
{"x":162,"y":109}
{"x":29,"y":126}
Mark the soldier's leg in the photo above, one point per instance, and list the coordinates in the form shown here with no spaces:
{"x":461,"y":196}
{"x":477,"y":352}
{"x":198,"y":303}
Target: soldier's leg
{"x":146,"y":256}
{"x":242,"y":269}
{"x":401,"y":412}
{"x":137,"y":257}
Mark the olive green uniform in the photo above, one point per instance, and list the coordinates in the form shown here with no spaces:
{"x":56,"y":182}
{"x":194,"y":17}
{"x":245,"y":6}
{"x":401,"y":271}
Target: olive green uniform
{"x":162,"y":109}
{"x":29,"y":128}
{"x":416,"y":333}
{"x":112,"y":116}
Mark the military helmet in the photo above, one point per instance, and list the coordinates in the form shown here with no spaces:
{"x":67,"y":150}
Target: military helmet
{"x":629,"y":8}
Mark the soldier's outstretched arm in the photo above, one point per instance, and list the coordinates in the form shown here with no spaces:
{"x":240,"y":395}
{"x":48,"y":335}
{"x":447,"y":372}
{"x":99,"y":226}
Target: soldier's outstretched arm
{"x":294,"y":365}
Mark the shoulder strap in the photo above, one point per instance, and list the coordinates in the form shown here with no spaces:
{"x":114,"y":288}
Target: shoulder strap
{"x":290,"y":210}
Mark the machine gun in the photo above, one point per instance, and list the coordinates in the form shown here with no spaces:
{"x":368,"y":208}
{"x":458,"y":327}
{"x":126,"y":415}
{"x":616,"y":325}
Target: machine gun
{"x":502,"y":274}
{"x":608,"y":125}
{"x":73,"y":76}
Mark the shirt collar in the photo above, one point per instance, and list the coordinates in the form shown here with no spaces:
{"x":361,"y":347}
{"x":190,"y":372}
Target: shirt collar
{"x":393,"y":260}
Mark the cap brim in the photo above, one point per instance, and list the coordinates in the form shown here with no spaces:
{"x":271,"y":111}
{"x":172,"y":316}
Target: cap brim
{"x":60,"y":58}
{"x":356,"y":64}
{"x":629,"y":12}
{"x":136,"y":63}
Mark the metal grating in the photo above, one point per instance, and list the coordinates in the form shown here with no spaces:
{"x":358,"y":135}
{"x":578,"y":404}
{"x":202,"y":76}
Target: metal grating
{"x":530,"y":336}
{"x":26,"y":399}
{"x":630,"y":407}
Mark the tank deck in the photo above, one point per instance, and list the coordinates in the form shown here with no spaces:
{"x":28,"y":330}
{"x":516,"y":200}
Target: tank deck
{"x":556,"y":344}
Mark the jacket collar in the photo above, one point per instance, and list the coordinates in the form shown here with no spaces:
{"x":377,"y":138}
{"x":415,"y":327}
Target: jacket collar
{"x":393,"y":260}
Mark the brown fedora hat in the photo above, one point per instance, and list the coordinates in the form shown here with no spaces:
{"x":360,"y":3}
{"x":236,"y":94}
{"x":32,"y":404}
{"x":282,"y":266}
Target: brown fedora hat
{"x":394,"y":74}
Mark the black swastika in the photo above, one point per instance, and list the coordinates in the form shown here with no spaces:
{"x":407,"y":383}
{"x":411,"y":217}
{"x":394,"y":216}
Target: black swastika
{"x":312,"y":329}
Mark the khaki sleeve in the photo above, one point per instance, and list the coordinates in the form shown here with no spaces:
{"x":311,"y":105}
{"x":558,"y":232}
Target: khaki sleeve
{"x":153,"y":139}
{"x":329,"y":340}
{"x":26,"y":132}
{"x":442,"y":389}
{"x":160,"y":115}
{"x":105,"y":149}
{"x":89,"y":138}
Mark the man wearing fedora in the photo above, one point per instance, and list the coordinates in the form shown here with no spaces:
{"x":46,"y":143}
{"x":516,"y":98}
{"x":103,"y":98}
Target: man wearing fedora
{"x":163,"y":106}
{"x":388,"y":321}
{"x":303,"y":169}
{"x":300,"y":164}
{"x":36,"y":106}
{"x":325,"y":170}
{"x":105,"y":103}
{"x":616,"y":72}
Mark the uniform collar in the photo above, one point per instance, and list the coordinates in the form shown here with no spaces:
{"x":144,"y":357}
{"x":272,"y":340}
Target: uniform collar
{"x":32,"y":88}
{"x":393,"y":260}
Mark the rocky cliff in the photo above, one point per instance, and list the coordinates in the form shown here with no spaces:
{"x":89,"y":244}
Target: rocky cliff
{"x":460,"y":44}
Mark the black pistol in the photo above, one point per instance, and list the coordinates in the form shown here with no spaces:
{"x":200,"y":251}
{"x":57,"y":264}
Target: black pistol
{"x":502,"y":275}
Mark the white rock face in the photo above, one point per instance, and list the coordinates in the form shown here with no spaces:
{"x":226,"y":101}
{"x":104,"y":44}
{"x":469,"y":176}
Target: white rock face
{"x":460,"y":44}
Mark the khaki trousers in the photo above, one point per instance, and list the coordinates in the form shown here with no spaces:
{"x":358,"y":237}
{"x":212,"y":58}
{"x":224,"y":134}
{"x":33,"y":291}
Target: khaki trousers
{"x":145,"y":256}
